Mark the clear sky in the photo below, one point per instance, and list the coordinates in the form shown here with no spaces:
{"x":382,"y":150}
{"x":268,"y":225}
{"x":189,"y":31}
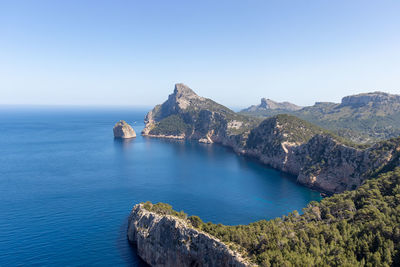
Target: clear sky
{"x":235,"y":52}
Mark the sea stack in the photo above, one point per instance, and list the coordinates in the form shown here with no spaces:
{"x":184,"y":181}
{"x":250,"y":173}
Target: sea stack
{"x":123,"y":130}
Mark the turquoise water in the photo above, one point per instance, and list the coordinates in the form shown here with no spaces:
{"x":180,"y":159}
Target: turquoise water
{"x":67,"y":187}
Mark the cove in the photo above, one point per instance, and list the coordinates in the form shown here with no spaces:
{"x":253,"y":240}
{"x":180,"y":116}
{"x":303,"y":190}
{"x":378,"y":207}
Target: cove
{"x":67,"y":187}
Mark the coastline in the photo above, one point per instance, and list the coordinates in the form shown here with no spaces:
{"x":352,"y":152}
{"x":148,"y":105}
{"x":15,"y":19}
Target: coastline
{"x":244,"y":153}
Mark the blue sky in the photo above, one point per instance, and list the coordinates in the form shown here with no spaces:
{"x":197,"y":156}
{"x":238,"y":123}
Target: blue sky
{"x":235,"y":52}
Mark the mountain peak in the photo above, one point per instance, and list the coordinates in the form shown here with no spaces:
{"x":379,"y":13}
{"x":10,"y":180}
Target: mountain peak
{"x":270,"y":104}
{"x":182,"y":90}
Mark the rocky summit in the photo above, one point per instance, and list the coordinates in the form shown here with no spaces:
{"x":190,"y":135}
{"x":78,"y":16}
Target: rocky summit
{"x":123,"y":130}
{"x":185,"y":115}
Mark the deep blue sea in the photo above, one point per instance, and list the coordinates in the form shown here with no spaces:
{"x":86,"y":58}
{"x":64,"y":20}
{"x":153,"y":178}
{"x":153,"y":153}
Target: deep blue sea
{"x":67,"y":187}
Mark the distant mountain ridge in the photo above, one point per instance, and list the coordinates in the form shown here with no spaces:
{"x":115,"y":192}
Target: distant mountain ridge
{"x":268,"y":104}
{"x":374,"y":98}
{"x":364,"y":118}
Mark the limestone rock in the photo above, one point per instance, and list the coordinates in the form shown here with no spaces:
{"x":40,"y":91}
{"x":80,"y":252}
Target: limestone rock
{"x":193,"y":117}
{"x":165,"y":240}
{"x":374,"y":98}
{"x":123,"y":130}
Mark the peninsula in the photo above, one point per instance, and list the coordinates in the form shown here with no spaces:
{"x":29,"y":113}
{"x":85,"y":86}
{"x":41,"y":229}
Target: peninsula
{"x":358,"y":225}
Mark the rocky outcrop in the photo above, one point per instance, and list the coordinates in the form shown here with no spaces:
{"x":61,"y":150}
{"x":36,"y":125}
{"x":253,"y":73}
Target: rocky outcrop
{"x":374,"y":98}
{"x":166,"y":240}
{"x":268,"y":104}
{"x":123,"y":130}
{"x":193,"y":117}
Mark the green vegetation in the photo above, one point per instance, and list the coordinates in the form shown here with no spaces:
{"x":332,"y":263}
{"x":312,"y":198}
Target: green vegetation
{"x":365,"y":124}
{"x":164,"y":209}
{"x":291,"y":129}
{"x":354,"y":228}
{"x":200,"y":117}
{"x":171,"y":125}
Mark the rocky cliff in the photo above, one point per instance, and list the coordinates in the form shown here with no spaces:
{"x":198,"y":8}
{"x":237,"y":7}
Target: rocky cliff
{"x":355,"y":228}
{"x":166,"y":240}
{"x":317,"y":157}
{"x":374,"y":98}
{"x":123,"y":130}
{"x":187,"y":115}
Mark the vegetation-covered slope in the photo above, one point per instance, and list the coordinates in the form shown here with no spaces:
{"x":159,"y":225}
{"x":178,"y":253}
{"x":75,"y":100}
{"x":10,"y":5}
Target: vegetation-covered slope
{"x":362,"y":118}
{"x":354,"y":228}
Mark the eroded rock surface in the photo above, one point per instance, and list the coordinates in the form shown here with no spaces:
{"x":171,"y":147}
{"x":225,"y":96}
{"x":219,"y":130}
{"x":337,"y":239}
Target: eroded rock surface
{"x":123,"y":130}
{"x":165,"y":240}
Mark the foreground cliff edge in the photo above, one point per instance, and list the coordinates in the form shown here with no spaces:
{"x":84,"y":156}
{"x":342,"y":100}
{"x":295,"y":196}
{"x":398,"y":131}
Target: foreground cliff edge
{"x":318,"y":158}
{"x":354,"y":228}
{"x":166,"y":238}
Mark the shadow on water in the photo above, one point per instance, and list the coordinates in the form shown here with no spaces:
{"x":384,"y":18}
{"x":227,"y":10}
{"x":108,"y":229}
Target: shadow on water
{"x":246,"y":161}
{"x":128,"y":251}
{"x":123,"y":144}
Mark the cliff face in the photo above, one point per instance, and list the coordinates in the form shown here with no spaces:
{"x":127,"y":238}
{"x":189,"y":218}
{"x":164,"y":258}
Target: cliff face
{"x":123,"y":130}
{"x":165,"y":240}
{"x":318,"y":158}
{"x":187,"y":115}
{"x":375,"y":98}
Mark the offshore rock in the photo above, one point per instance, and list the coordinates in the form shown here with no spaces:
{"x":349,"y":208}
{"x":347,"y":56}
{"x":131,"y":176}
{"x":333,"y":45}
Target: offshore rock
{"x":123,"y":130}
{"x":166,"y":240}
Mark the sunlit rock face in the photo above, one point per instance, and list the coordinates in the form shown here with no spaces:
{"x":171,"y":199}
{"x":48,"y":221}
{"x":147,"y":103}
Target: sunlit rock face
{"x":165,"y":240}
{"x":123,"y":130}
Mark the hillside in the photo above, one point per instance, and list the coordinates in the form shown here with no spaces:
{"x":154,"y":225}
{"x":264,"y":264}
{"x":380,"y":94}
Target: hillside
{"x":354,"y":228}
{"x":363,"y":118}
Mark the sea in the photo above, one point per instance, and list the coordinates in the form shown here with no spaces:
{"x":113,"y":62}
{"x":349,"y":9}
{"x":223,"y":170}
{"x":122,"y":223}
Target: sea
{"x":67,"y":186}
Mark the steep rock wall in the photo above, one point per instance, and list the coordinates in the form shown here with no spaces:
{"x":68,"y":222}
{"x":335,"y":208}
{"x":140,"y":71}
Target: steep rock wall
{"x":165,"y":240}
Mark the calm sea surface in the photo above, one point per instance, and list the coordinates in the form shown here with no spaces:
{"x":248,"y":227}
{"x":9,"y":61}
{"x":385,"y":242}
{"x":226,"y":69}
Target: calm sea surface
{"x":67,"y":187}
